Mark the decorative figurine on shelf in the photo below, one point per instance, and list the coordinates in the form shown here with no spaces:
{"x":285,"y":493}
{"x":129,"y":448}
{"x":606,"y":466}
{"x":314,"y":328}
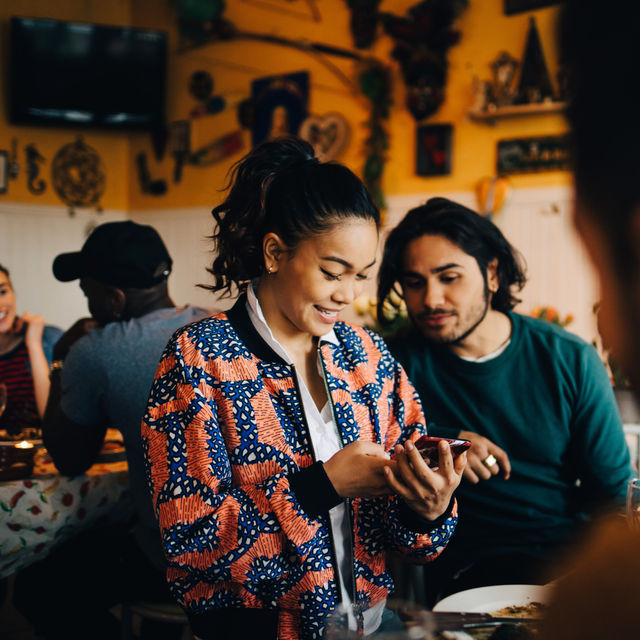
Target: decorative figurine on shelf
{"x":535,"y":83}
{"x":482,"y":95}
{"x":504,"y":69}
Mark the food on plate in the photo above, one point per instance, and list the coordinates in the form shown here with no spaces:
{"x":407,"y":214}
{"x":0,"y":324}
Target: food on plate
{"x":530,"y":610}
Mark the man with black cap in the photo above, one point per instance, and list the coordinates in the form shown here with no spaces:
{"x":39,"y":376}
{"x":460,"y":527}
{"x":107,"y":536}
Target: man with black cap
{"x":101,"y":375}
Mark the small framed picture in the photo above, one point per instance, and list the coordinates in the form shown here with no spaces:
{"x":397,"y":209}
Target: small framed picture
{"x":518,"y":6}
{"x":433,"y":150}
{"x":4,"y":171}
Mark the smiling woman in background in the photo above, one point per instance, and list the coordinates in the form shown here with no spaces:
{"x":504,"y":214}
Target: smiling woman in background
{"x":25,"y":354}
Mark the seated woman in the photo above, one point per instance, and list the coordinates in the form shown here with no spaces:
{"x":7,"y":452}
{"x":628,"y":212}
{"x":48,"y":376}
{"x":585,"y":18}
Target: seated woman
{"x":279,"y":440}
{"x":26,"y":344}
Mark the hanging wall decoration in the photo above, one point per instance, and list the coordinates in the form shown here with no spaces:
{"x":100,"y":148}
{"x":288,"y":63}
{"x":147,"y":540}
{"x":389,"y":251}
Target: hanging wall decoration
{"x":518,"y":6}
{"x":180,"y":146}
{"x":78,"y":175}
{"x":280,"y":104}
{"x":364,"y":21}
{"x":422,"y":41}
{"x":305,"y":9}
{"x":327,"y":134}
{"x":433,"y":150}
{"x":147,"y":185}
{"x":217,"y":150}
{"x":4,"y":171}
{"x":201,"y":85}
{"x":531,"y":155}
{"x":14,"y":165}
{"x":375,"y":84}
{"x":492,"y":194}
{"x":34,"y":157}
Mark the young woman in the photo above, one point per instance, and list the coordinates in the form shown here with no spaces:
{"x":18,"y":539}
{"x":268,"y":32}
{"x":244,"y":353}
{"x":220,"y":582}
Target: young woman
{"x":25,"y":354}
{"x":279,"y":439}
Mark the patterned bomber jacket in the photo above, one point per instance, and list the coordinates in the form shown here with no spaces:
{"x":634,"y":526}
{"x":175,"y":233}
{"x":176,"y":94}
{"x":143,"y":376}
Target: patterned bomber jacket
{"x":241,"y":503}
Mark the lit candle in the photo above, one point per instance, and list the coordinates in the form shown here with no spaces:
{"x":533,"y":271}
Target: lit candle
{"x":24,"y":445}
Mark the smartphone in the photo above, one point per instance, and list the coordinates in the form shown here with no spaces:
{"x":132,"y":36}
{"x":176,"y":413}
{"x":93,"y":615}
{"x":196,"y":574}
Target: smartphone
{"x":428,"y":448}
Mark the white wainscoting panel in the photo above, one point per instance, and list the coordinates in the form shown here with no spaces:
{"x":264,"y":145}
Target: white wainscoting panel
{"x":30,"y":238}
{"x":535,"y":221}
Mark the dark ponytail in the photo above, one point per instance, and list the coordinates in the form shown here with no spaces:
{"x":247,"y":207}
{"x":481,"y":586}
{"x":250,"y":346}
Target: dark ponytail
{"x":280,"y":186}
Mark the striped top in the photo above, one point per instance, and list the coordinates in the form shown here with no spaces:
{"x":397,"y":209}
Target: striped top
{"x":21,"y":411}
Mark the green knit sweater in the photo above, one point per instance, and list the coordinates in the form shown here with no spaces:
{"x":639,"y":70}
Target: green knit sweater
{"x":548,"y":402}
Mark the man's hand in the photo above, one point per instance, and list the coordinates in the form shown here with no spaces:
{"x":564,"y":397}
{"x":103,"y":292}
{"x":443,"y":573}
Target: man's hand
{"x":73,"y":334}
{"x":481,"y":448}
{"x":357,"y":471}
{"x":427,"y":491}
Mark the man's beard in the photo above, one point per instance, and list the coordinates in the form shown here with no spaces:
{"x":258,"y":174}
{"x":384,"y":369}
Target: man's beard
{"x":448,"y":340}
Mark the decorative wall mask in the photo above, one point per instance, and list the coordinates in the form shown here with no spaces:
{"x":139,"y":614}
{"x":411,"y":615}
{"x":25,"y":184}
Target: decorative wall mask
{"x":327,"y":134}
{"x":78,"y":175}
{"x":422,"y":41}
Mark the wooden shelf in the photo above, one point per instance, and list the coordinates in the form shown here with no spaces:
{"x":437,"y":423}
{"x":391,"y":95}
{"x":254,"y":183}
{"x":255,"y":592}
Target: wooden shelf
{"x":516,"y":110}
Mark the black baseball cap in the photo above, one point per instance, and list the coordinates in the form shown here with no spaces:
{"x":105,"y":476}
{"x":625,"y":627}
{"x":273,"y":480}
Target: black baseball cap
{"x":122,"y":254}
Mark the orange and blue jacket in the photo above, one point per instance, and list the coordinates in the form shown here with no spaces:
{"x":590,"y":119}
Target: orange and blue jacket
{"x":241,"y":502}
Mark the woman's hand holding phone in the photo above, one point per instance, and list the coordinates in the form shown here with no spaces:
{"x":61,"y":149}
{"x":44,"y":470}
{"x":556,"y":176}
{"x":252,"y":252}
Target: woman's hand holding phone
{"x":357,"y":470}
{"x":427,"y":491}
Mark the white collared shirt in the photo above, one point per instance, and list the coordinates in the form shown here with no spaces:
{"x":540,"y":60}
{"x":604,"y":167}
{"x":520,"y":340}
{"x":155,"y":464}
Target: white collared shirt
{"x":325,"y":441}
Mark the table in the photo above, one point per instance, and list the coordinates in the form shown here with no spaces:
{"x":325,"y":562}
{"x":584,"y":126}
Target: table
{"x":39,"y":512}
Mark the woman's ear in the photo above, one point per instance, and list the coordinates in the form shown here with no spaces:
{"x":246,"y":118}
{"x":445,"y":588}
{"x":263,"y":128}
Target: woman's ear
{"x":272,"y":249}
{"x":493,"y":282}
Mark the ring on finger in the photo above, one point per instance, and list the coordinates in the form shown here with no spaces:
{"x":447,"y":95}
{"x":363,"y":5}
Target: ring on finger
{"x":489,"y":461}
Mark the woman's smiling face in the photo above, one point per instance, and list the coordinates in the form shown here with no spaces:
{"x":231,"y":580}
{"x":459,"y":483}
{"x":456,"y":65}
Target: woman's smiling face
{"x":7,"y":304}
{"x":322,"y":276}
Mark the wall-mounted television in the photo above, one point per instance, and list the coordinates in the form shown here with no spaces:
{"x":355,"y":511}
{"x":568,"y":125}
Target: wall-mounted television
{"x":95,"y":76}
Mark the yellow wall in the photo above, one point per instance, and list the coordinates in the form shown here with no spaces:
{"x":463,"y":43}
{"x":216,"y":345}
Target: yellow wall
{"x":485,"y":32}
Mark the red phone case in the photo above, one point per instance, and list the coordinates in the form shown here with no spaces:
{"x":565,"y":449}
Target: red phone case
{"x":428,"y":447}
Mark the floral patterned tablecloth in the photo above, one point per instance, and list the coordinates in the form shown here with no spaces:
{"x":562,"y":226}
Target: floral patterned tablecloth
{"x":39,"y":512}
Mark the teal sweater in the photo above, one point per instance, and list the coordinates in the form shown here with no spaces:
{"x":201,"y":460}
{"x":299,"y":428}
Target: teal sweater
{"x":548,"y":402}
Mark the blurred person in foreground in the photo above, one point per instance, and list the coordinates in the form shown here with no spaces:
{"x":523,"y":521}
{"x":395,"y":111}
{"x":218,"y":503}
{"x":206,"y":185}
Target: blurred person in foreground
{"x":103,"y":370}
{"x":600,"y":50}
{"x":26,"y":344}
{"x":548,"y":452}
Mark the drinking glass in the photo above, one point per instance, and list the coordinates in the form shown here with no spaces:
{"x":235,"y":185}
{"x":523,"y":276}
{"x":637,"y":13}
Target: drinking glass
{"x":3,"y":397}
{"x":412,"y":622}
{"x":633,"y":503}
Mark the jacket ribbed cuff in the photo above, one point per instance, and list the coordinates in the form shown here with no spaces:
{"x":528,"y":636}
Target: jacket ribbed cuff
{"x":314,"y":490}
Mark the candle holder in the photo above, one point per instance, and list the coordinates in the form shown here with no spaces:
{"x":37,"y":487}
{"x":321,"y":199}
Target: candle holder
{"x":16,"y":460}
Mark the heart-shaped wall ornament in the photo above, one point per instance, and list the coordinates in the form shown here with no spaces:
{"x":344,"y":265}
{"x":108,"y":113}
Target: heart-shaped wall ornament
{"x":327,"y":134}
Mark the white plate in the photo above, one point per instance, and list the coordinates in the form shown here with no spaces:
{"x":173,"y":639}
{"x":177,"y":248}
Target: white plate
{"x":490,"y":599}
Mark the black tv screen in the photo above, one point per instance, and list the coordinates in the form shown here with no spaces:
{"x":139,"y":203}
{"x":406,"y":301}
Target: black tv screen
{"x":100,"y":76}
